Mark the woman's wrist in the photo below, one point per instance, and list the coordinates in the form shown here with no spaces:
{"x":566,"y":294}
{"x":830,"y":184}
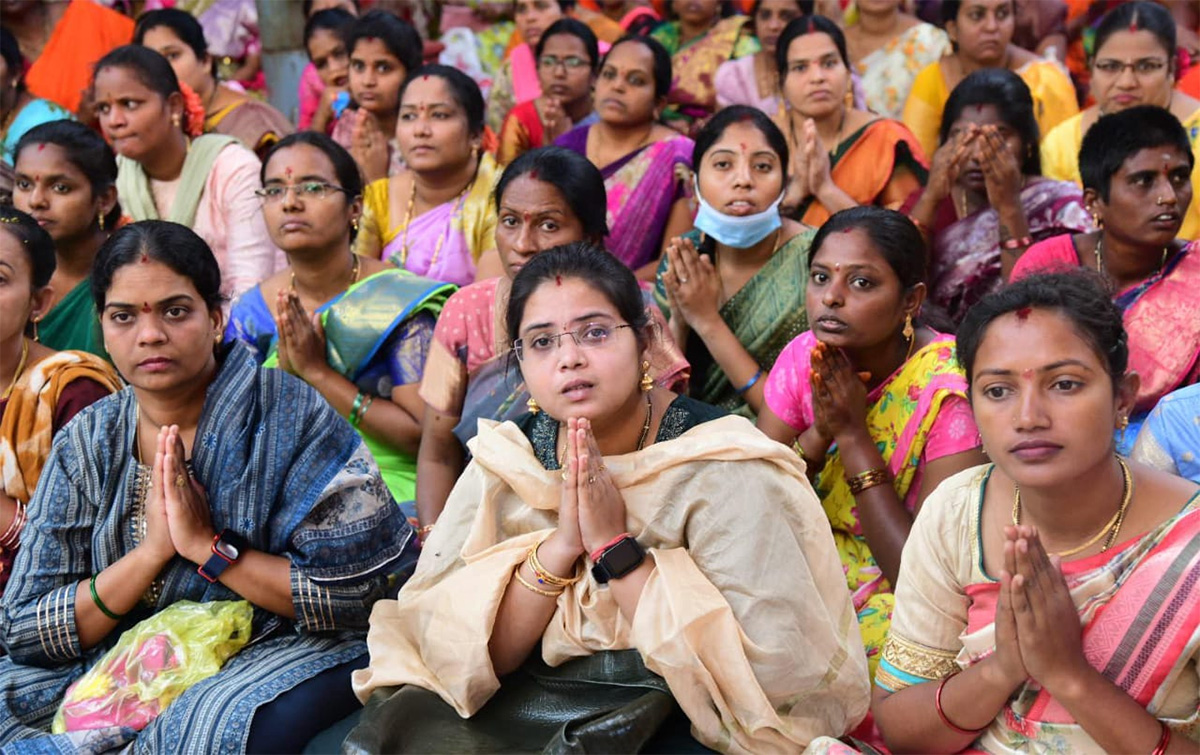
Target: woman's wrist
{"x":559,"y":550}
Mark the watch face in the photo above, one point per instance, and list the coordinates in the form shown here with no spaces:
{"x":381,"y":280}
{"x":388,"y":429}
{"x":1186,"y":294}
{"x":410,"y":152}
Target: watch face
{"x":226,"y":549}
{"x":623,"y":557}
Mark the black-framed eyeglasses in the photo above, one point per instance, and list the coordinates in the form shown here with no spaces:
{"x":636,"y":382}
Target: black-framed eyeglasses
{"x":304,"y":190}
{"x":571,"y":62}
{"x":590,"y":336}
{"x":1143,"y":67}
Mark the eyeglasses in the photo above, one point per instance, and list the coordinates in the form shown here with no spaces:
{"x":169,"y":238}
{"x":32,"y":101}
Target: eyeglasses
{"x":1143,"y":67}
{"x":306,"y":190}
{"x":590,"y":336}
{"x":571,"y":62}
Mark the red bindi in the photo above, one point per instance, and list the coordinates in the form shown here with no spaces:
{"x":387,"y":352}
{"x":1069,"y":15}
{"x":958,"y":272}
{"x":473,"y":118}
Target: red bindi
{"x":979,"y":109}
{"x":41,"y":146}
{"x":1023,"y":313}
{"x":527,"y":216}
{"x":1133,"y":26}
{"x":146,"y":308}
{"x":558,"y":280}
{"x":533,"y":174}
{"x":145,"y":258}
{"x":1027,"y":373}
{"x":287,"y":172}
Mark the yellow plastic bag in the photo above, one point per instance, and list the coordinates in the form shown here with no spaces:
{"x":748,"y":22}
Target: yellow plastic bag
{"x":153,"y":663}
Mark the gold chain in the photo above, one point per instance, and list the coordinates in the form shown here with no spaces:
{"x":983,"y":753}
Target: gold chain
{"x":353,"y":271}
{"x":408,"y":216}
{"x":1112,"y":528}
{"x":20,"y":369}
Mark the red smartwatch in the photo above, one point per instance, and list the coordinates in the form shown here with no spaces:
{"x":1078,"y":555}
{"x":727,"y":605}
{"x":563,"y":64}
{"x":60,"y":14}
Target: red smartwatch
{"x":227,"y":548}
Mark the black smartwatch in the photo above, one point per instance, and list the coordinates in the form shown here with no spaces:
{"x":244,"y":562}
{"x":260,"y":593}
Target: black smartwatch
{"x":618,"y":559}
{"x":227,"y":548}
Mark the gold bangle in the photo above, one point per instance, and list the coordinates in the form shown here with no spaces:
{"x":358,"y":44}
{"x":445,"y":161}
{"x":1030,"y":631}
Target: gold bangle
{"x":423,"y":532}
{"x":868,"y":479}
{"x":799,"y":449}
{"x":538,"y":590}
{"x":543,"y":575}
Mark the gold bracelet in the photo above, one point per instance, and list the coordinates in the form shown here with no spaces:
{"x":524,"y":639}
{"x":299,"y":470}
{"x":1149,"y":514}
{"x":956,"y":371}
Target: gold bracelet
{"x":423,"y":532}
{"x":538,"y":590}
{"x":868,"y":479}
{"x":543,"y":575}
{"x":799,"y":449}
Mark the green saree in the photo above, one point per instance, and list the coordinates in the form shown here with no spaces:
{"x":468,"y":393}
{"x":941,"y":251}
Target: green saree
{"x":72,"y":323}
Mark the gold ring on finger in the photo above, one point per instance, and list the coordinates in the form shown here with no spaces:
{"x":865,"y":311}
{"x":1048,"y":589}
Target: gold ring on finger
{"x":591,"y":479}
{"x":181,"y":480}
{"x":682,"y":279}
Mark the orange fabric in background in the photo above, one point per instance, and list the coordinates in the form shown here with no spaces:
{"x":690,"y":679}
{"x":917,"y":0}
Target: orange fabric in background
{"x":84,"y":34}
{"x":1190,"y":83}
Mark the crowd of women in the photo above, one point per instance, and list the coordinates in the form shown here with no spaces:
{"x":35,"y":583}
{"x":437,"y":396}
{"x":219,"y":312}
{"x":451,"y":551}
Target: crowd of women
{"x":624,"y":376}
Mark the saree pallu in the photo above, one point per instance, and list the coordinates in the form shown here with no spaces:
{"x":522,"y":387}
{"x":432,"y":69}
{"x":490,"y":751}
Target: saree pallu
{"x":521,"y":132}
{"x":693,"y":95}
{"x":73,"y":323}
{"x":762,"y":655}
{"x":765,"y":315}
{"x":1139,"y":605}
{"x":365,"y":327}
{"x":444,"y":243}
{"x":1053,"y":99}
{"x":1060,"y":160}
{"x":471,"y":373}
{"x":642,"y":188}
{"x":279,"y":467}
{"x":888,"y":73}
{"x":255,"y":124}
{"x":880,"y":164}
{"x":86,"y":32}
{"x":901,"y":417}
{"x":966,"y":253}
{"x":1160,"y":319}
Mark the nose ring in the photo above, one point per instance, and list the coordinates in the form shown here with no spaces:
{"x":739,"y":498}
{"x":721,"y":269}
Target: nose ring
{"x":1160,"y":201}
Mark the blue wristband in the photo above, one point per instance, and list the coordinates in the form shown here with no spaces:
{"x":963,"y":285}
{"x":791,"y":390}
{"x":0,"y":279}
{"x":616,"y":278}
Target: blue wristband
{"x":750,"y":383}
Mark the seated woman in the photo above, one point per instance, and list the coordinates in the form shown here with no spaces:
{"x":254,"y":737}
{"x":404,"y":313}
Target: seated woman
{"x":365,"y":344}
{"x":517,"y":80}
{"x":1136,"y":182}
{"x":1133,"y":63}
{"x":986,"y":651}
{"x":1171,"y":434}
{"x":325,"y":82}
{"x":734,"y":285}
{"x":753,"y":79}
{"x":986,"y":200}
{"x":66,"y":179}
{"x":644,"y":163}
{"x":841,"y":157}
{"x":167,"y":170}
{"x":700,"y":35}
{"x":981,"y":34}
{"x":547,"y":197}
{"x":572,"y":624}
{"x":22,"y":111}
{"x":178,"y":36}
{"x":40,"y":389}
{"x":436,"y":218}
{"x":204,"y":450}
{"x":888,"y":48}
{"x":567,"y":58}
{"x":873,"y":400}
{"x":383,"y":51}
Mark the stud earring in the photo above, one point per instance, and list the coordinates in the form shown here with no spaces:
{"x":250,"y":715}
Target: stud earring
{"x":647,"y":382}
{"x":532,"y":405}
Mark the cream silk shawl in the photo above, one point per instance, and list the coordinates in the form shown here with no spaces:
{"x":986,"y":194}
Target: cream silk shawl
{"x":746,"y":616}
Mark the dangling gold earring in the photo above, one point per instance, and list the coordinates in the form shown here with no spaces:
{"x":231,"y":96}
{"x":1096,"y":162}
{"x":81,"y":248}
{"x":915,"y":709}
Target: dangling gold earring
{"x":909,"y":335}
{"x":647,"y":382}
{"x":36,"y":337}
{"x":100,"y":217}
{"x":1122,"y":423}
{"x":175,"y":121}
{"x":1097,"y":220}
{"x":354,"y":223}
{"x":532,"y":405}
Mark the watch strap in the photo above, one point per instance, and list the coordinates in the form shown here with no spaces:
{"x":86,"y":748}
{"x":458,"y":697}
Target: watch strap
{"x":603,"y":570}
{"x":218,"y":562}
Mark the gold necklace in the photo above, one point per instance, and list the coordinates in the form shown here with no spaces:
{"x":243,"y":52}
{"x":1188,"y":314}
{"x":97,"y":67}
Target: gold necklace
{"x":354,"y":269}
{"x":1100,"y":255}
{"x":20,"y":369}
{"x":641,"y":438}
{"x":1112,"y":528}
{"x":412,"y":200}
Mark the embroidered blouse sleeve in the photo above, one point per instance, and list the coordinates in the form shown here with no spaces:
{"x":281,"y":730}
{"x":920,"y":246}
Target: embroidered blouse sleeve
{"x":37,"y":613}
{"x":349,"y":549}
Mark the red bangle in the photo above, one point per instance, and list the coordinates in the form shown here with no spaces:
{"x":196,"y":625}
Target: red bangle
{"x":937,"y":703}
{"x":1013,"y":244}
{"x":600,"y":551}
{"x":1164,"y":741}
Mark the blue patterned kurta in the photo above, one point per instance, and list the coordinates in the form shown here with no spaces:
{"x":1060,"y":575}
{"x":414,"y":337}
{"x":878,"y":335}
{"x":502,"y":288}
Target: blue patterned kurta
{"x":283,"y":470}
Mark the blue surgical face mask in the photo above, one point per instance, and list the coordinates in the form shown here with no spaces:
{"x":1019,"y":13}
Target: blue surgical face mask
{"x":738,"y":232}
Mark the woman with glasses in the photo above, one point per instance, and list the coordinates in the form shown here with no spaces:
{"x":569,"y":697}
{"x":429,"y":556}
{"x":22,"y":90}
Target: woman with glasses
{"x":567,"y":58}
{"x":1133,"y":63}
{"x":620,"y":567}
{"x":168,"y":170}
{"x":436,"y":218}
{"x":354,"y":328}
